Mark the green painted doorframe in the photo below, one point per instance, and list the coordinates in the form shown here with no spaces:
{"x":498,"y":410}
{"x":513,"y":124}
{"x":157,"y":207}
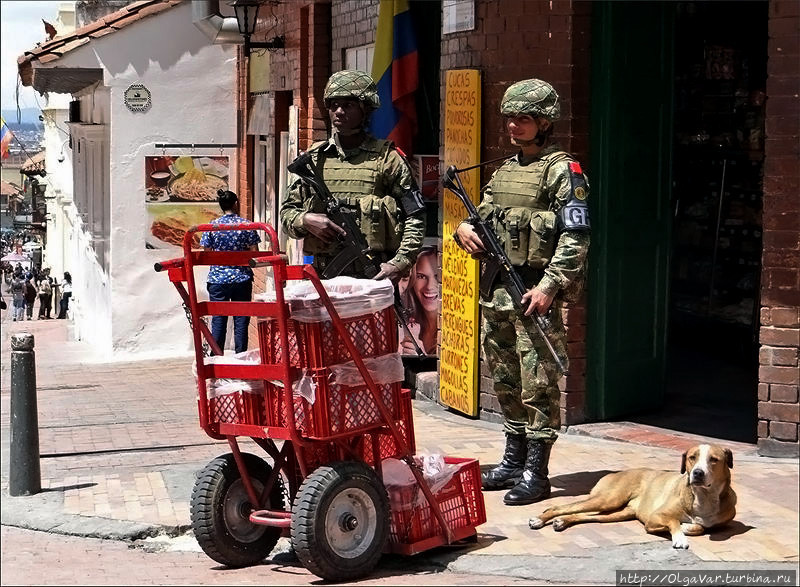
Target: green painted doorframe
{"x":631,"y":138}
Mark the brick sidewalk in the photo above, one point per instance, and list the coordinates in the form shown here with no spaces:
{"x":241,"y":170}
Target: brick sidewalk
{"x":121,"y":441}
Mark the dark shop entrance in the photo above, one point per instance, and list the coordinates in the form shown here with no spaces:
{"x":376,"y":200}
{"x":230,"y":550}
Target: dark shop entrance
{"x":677,"y":158}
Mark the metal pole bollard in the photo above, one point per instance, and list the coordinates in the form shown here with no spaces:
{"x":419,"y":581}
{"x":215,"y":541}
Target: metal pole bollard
{"x":24,"y":474}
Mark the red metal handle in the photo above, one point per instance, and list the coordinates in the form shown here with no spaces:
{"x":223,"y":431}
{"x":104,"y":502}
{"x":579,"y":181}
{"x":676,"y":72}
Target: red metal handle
{"x":170,"y":264}
{"x":268,"y":228}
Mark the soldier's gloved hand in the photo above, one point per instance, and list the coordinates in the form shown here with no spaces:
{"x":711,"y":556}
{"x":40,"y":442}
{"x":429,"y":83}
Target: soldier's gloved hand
{"x":537,"y":300}
{"x":388,"y":271}
{"x":469,"y":241}
{"x":322,"y":227}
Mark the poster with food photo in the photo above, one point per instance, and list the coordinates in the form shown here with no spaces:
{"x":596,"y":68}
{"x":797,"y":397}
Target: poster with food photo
{"x":184,"y":179}
{"x":167,"y":223}
{"x":181,"y":192}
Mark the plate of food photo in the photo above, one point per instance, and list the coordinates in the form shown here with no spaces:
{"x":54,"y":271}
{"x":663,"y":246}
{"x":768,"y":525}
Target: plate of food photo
{"x":190,"y":183}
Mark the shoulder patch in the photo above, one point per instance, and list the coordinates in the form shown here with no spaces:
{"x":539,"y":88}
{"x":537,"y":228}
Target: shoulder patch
{"x":575,"y":167}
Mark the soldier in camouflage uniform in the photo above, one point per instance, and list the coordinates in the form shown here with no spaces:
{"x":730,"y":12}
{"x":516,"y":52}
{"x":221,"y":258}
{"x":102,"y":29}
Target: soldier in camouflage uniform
{"x":371,"y":179}
{"x":536,"y":201}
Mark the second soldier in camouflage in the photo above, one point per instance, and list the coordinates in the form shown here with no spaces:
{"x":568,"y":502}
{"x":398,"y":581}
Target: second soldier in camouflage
{"x":536,"y":202}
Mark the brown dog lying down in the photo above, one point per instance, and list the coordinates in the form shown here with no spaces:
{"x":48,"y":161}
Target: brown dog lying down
{"x":684,"y":504}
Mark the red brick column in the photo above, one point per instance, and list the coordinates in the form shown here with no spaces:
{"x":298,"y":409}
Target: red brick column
{"x":778,"y":406}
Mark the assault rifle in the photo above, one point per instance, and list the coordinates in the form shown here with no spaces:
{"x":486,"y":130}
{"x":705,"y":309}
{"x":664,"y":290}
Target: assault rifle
{"x":355,"y":243}
{"x":493,"y":259}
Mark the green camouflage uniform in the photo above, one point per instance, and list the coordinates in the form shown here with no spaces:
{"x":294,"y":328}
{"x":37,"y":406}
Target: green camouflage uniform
{"x":524,"y":194}
{"x":370,"y":181}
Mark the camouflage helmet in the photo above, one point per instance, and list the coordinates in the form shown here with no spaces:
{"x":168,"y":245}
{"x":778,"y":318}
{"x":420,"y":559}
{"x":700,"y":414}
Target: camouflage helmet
{"x":352,"y":83}
{"x":531,"y":96}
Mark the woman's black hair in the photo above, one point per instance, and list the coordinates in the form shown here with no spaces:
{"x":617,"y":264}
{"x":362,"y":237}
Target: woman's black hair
{"x":227,"y":200}
{"x":67,"y":277}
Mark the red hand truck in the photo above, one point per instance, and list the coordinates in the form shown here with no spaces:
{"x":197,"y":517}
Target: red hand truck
{"x":324,"y":486}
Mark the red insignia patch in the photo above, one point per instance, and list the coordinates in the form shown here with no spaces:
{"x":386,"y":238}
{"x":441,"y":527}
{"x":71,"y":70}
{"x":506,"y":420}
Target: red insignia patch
{"x":403,"y":155}
{"x":575,"y":167}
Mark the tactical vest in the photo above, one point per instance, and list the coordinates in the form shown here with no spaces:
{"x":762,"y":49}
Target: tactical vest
{"x":357,"y":184}
{"x":523,"y":214}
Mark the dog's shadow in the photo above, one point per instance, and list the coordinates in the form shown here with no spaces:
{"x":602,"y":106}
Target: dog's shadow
{"x":573,"y":484}
{"x":731,"y":529}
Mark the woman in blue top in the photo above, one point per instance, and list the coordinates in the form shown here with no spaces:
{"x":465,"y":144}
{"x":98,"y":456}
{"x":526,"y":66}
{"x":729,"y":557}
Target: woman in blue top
{"x":230,"y":283}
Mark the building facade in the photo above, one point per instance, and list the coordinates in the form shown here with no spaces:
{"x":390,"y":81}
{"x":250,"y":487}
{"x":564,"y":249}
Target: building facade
{"x":688,"y":128}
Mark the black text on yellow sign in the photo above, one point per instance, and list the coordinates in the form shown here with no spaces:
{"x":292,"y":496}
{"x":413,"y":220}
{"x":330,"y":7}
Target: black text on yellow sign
{"x":458,"y":359}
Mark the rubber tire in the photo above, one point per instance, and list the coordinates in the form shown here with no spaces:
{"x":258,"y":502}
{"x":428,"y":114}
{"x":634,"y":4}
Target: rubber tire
{"x":309,"y":538}
{"x":208,"y":512}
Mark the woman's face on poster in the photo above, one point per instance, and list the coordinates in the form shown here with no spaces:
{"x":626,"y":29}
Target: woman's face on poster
{"x":426,"y":284}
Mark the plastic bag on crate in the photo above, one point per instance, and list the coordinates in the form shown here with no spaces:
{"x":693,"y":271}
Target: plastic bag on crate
{"x":384,"y":369}
{"x":350,"y":296}
{"x":401,"y":484}
{"x":220,"y":387}
{"x":304,"y":386}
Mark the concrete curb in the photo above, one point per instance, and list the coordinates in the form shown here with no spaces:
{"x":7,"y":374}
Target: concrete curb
{"x":43,"y":512}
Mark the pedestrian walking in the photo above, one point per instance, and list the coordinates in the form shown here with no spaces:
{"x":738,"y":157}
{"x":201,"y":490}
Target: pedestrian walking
{"x":45,"y":295}
{"x":30,"y":295}
{"x":371,"y":180}
{"x":230,"y":283}
{"x":537,"y":202}
{"x":17,"y":290}
{"x":66,"y":295}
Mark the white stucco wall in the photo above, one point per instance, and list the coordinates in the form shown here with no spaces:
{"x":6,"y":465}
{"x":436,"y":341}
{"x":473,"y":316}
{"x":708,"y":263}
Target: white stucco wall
{"x":193,"y":85}
{"x":59,"y":179}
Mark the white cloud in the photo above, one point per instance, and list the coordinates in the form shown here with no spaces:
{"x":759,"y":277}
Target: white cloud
{"x":20,"y":29}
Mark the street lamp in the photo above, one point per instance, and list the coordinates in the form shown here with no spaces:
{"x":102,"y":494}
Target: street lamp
{"x":246,"y":18}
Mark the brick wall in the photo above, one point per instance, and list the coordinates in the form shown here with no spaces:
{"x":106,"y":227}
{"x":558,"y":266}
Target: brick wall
{"x":778,"y":406}
{"x":554,"y":47}
{"x":353,"y":24}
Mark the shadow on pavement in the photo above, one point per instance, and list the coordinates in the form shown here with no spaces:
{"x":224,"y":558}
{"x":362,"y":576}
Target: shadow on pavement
{"x":732,"y":529}
{"x":63,"y":488}
{"x":572,"y":484}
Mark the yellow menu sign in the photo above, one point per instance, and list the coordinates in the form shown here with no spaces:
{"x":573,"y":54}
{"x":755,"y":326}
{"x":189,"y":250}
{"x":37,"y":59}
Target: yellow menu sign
{"x":458,"y":358}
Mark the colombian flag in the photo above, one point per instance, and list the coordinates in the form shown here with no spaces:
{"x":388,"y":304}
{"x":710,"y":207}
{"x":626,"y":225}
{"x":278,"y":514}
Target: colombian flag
{"x":5,"y":141}
{"x":396,"y":72}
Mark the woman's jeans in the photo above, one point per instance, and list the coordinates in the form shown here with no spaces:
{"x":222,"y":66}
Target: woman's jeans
{"x":63,"y":305}
{"x":230,"y":292}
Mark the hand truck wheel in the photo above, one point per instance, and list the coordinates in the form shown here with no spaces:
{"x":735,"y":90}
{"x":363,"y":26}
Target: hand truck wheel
{"x":220,"y":511}
{"x":340,"y":521}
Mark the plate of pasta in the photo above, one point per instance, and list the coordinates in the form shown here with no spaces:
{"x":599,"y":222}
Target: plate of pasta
{"x":195,"y":186}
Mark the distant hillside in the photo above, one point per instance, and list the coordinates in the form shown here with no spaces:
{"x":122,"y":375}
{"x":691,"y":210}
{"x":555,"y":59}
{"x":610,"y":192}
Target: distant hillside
{"x":30,"y":118}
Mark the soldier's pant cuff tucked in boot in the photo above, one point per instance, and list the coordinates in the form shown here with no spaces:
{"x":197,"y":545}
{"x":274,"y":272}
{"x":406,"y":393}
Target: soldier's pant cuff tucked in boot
{"x":534,"y":485}
{"x":509,"y":472}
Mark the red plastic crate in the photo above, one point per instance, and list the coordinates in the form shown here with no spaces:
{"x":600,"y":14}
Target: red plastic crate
{"x":237,"y":408}
{"x":415,"y":528}
{"x":318,"y":344}
{"x":387,"y":447}
{"x":337,"y":409}
{"x":320,"y":453}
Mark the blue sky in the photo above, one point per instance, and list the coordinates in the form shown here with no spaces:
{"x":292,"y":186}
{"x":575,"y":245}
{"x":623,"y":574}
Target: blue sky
{"x":20,"y":29}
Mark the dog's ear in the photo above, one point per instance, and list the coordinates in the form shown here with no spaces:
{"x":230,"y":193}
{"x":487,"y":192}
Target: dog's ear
{"x":728,"y":457}
{"x":683,"y":462}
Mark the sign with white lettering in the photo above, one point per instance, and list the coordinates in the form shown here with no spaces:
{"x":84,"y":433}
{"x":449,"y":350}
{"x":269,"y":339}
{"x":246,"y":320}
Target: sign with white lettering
{"x":458,"y":355}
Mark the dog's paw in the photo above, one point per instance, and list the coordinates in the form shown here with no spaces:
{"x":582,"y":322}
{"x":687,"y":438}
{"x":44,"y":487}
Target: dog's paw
{"x":680,"y":541}
{"x":535,"y":523}
{"x":559,"y":524}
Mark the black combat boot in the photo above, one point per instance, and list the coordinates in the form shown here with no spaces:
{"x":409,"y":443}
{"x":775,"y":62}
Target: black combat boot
{"x":534,"y":485}
{"x":509,"y":471}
